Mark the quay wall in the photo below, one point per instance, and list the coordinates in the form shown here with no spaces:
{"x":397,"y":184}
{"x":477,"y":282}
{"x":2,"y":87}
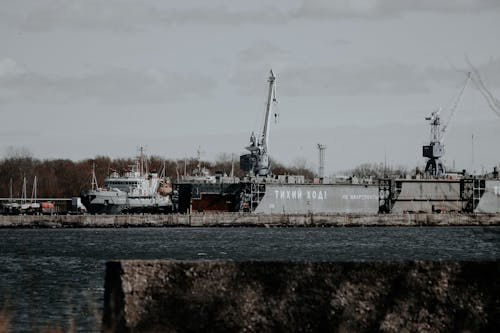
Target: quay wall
{"x":245,"y":220}
{"x":414,"y":296}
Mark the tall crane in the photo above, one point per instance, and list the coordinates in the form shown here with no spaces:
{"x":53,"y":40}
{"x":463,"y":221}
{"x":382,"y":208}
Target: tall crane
{"x":257,"y":162}
{"x":435,"y":149}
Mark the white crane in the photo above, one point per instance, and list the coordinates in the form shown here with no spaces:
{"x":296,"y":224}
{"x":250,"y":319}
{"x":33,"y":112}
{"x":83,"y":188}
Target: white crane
{"x":257,"y":162}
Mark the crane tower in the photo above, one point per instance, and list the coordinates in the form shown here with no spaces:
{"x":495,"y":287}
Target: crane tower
{"x":257,"y":162}
{"x":435,"y":149}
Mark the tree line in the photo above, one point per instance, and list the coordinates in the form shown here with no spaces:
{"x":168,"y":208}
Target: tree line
{"x":67,"y":178}
{"x":62,"y":178}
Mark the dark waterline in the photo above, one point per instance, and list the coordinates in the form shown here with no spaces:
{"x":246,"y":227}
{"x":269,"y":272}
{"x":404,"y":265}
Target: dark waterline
{"x":53,"y":276}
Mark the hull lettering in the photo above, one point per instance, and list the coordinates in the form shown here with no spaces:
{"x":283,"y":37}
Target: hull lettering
{"x":298,"y":195}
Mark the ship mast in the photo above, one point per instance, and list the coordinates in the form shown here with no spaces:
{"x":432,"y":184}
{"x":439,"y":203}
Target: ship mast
{"x":141,"y":161}
{"x":94,"y":185}
{"x":24,"y":195}
{"x":10,"y":190}
{"x":33,"y":191}
{"x":257,"y":162}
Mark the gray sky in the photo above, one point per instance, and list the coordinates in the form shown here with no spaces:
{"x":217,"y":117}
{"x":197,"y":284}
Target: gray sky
{"x":86,"y":78}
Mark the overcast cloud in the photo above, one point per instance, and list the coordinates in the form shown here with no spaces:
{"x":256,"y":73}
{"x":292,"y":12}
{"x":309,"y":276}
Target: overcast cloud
{"x":125,"y":15}
{"x":380,"y":9}
{"x":114,"y":86}
{"x":129,"y":16}
{"x":81,"y":78}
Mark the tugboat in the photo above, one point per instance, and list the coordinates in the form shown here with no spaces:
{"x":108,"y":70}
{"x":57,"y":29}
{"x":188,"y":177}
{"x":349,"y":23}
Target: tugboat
{"x":135,"y":191}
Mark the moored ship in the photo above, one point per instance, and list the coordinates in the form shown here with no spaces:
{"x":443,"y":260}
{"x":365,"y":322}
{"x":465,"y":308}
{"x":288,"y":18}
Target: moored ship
{"x":205,"y":192}
{"x":135,"y":191}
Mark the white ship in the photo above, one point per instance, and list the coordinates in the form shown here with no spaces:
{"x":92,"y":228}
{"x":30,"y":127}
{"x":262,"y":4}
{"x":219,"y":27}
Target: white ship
{"x":135,"y":191}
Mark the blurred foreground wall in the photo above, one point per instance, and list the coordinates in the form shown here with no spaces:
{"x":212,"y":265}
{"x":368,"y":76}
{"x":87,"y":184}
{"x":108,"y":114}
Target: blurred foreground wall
{"x":180,"y":296}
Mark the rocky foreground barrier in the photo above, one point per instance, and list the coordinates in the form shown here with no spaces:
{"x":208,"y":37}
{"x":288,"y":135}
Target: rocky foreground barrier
{"x":244,"y":220}
{"x":178,"y":296}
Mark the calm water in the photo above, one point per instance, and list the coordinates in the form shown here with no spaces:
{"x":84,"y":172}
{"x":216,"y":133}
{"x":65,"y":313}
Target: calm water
{"x":55,"y":276}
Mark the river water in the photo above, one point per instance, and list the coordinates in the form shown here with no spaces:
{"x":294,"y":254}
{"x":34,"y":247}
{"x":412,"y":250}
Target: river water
{"x":55,"y":277}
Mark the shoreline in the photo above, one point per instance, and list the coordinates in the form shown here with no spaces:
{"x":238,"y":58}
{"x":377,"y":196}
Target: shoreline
{"x":247,"y":220}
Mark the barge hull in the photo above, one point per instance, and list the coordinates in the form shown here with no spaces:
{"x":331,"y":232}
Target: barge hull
{"x":320,"y":198}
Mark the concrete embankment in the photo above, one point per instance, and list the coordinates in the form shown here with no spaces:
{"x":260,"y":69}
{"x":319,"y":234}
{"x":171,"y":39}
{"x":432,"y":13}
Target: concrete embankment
{"x":415,"y":296}
{"x":237,"y":219}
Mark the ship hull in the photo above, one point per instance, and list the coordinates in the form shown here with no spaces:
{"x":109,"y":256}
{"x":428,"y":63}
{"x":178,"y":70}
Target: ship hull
{"x":111,"y":202}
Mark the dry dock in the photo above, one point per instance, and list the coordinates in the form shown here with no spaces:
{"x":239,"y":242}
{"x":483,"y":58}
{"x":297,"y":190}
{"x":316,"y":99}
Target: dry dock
{"x":246,"y":220}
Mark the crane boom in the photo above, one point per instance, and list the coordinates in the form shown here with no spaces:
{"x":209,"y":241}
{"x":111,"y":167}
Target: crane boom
{"x":271,"y":97}
{"x":455,"y":105}
{"x":493,"y":103}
